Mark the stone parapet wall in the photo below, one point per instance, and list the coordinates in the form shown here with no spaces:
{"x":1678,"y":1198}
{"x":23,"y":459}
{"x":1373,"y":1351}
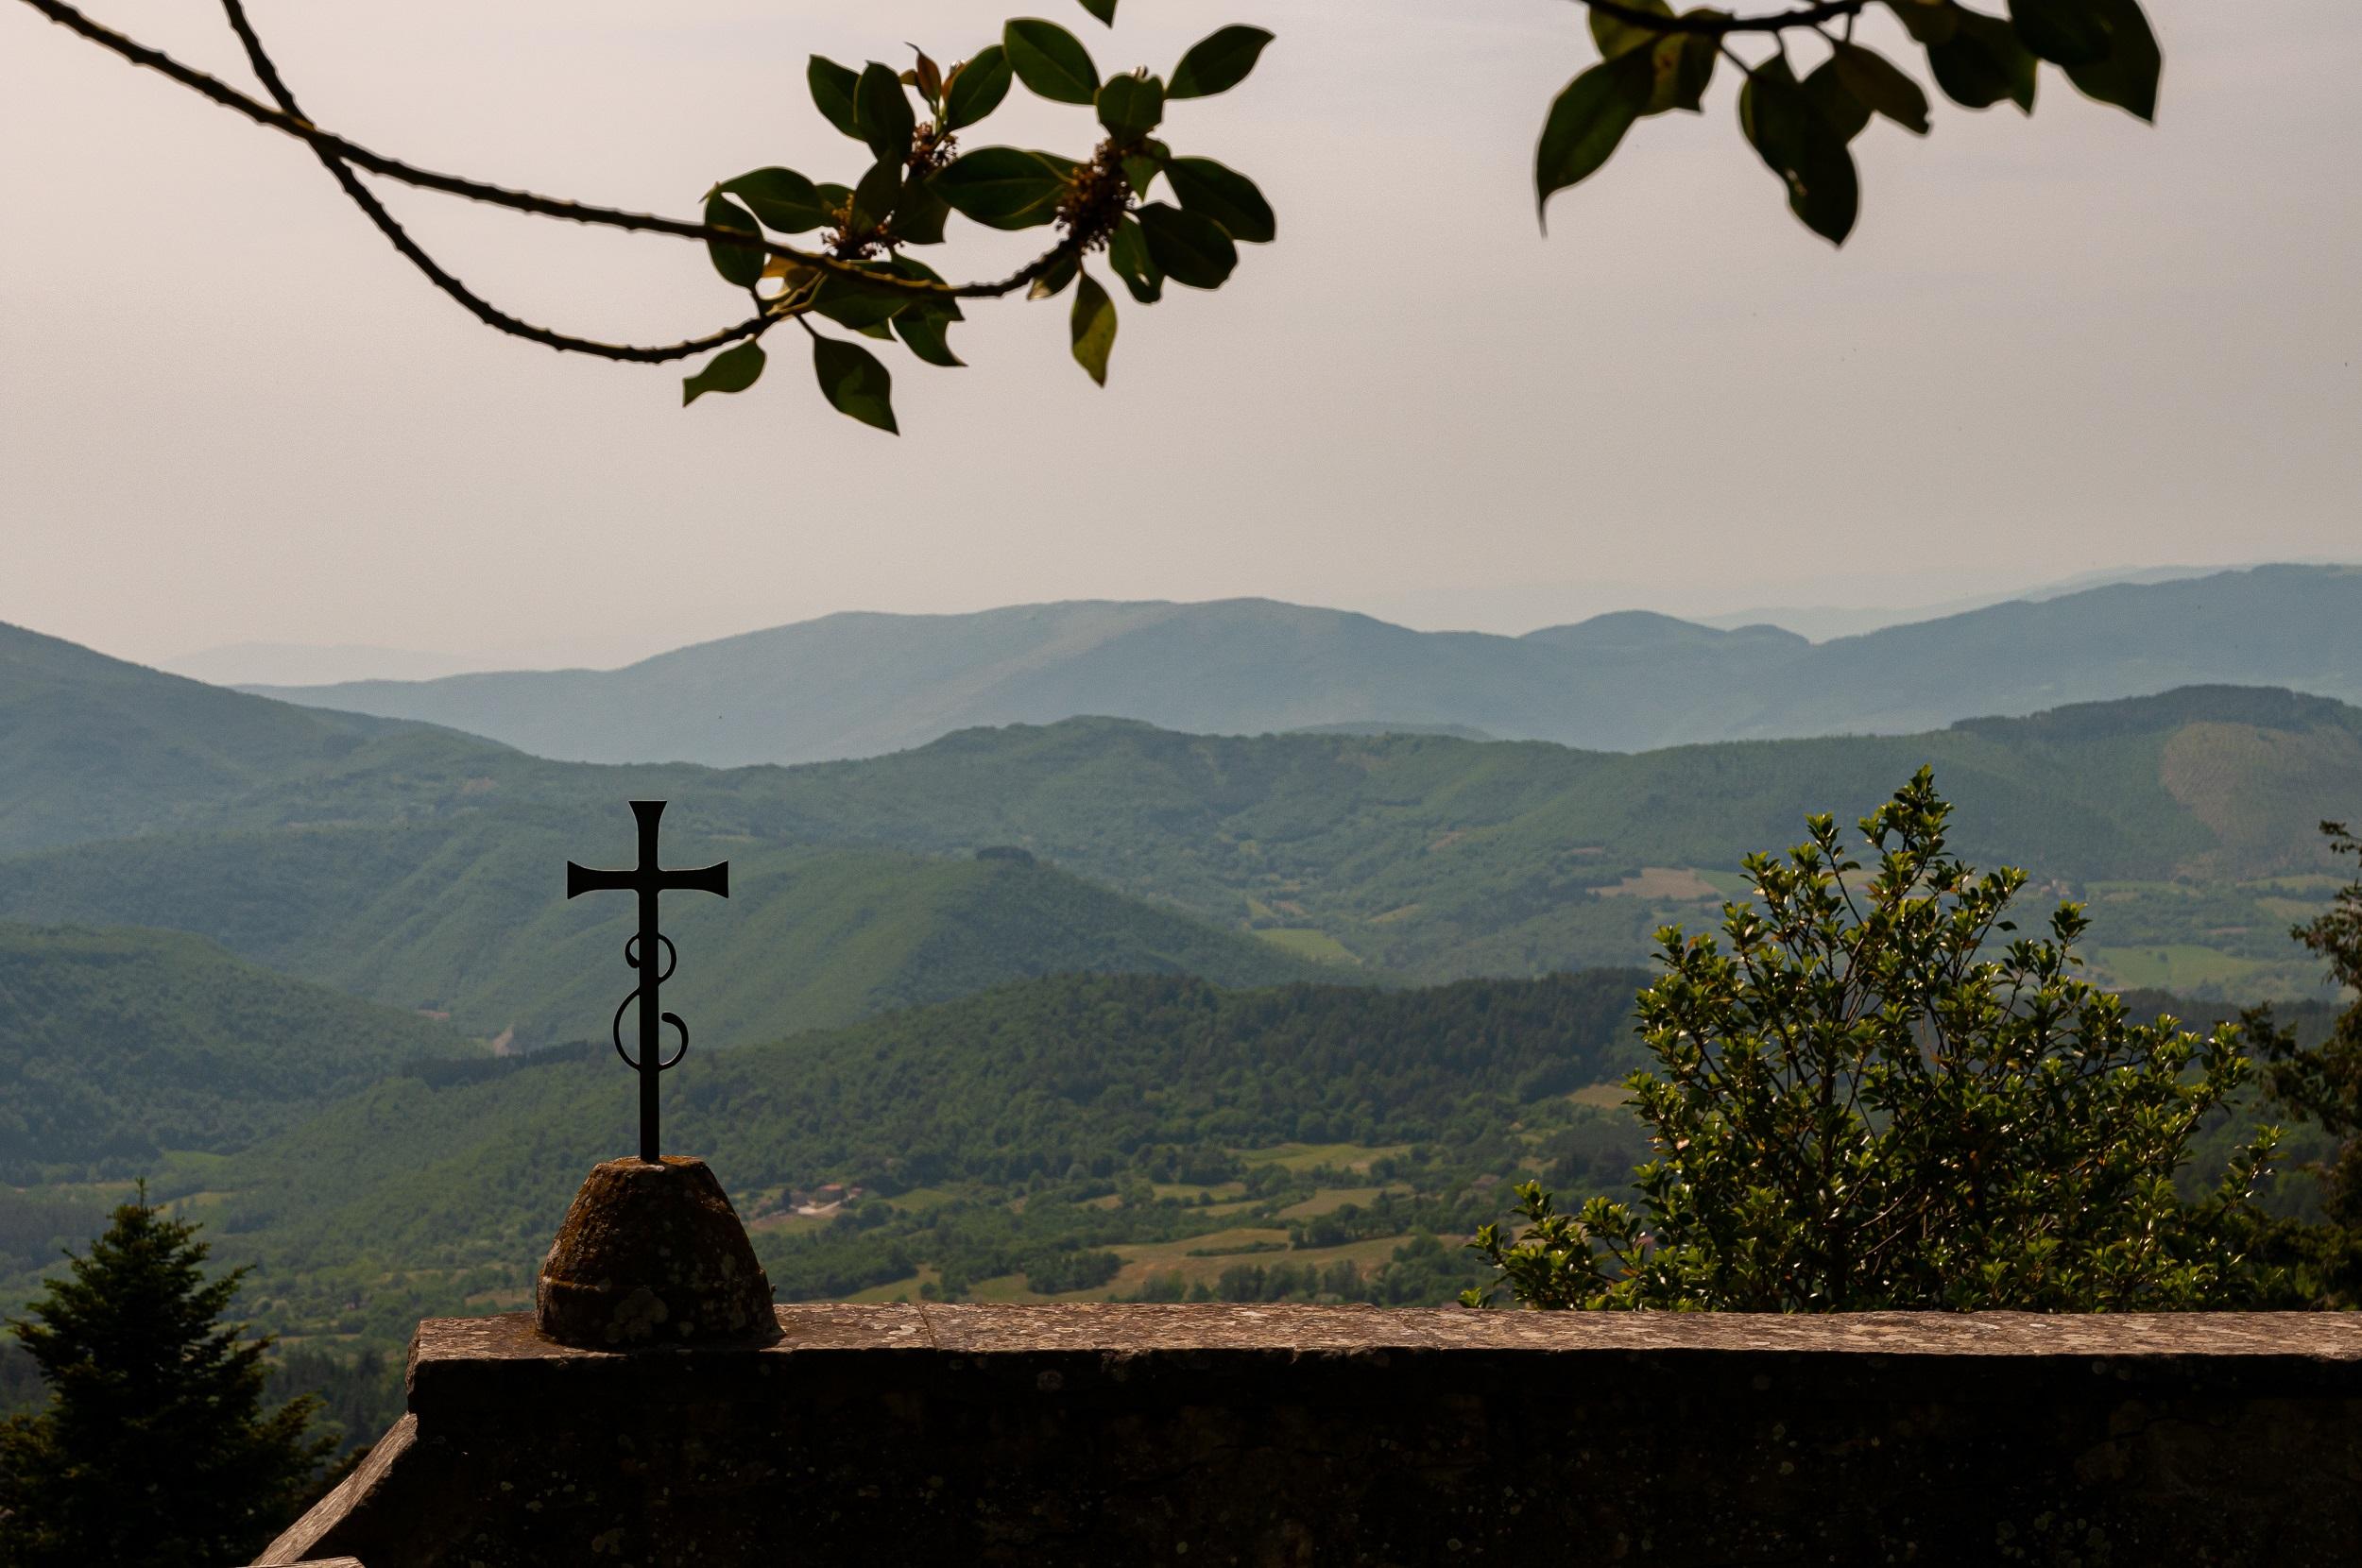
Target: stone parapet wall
{"x":1297,"y":1435}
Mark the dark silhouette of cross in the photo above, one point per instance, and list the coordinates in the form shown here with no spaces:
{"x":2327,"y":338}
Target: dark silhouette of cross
{"x":649,"y":879}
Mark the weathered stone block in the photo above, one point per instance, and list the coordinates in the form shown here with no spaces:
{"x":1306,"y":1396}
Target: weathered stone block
{"x":1273,"y":1436}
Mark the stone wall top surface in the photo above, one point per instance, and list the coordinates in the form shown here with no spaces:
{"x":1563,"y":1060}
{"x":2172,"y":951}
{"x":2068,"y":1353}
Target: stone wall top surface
{"x":1100,"y":1328}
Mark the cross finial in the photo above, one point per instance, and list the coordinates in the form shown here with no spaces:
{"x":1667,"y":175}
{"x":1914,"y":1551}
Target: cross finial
{"x":649,"y":879}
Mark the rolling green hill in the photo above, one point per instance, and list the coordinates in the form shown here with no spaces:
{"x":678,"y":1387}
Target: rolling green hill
{"x":116,"y":1046}
{"x":451,"y":1179}
{"x":410,"y":863}
{"x":467,"y":917}
{"x":860,"y":685}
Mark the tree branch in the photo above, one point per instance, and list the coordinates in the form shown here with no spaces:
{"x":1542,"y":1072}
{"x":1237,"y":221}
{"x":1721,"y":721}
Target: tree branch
{"x":328,"y":145}
{"x":1720,"y":27}
{"x":483,"y":310}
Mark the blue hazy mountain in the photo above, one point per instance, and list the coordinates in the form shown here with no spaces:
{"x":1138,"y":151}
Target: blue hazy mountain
{"x":861,"y":685}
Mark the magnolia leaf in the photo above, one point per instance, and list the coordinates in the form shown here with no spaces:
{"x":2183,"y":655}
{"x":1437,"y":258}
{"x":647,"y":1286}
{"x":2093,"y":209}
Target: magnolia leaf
{"x":976,"y":88}
{"x":1216,"y":62}
{"x":1617,"y":36}
{"x":1224,"y":195}
{"x":1928,"y":21}
{"x":886,"y":118}
{"x":833,"y":91}
{"x":1796,"y":143}
{"x":853,"y":380}
{"x":2064,"y":32}
{"x":782,"y":198}
{"x":1188,"y":247}
{"x":1128,"y":253}
{"x":1130,"y":107}
{"x":2128,"y":77}
{"x":1104,"y":9}
{"x":1092,"y":327}
{"x":1003,"y":187}
{"x":924,"y":335}
{"x":1983,"y":62}
{"x":736,"y":264}
{"x":875,"y":197}
{"x":1587,"y":120}
{"x":732,"y":370}
{"x":1050,"y":60}
{"x":1879,"y":82}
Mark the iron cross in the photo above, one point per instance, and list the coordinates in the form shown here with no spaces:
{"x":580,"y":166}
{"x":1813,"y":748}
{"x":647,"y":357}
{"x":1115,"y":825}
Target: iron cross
{"x":649,"y":879}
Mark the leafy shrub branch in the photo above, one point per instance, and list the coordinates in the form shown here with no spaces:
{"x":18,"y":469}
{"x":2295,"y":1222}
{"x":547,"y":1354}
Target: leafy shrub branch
{"x":860,"y":274}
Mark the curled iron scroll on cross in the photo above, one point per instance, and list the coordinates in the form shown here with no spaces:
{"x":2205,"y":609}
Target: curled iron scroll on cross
{"x":649,"y":880}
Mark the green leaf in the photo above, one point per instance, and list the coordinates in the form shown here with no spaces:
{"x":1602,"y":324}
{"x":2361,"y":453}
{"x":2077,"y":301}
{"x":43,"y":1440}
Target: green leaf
{"x":1228,"y":198}
{"x":1188,"y":247}
{"x":1928,"y":21}
{"x":1003,"y":187}
{"x":852,"y":379}
{"x":1130,"y":105}
{"x":1216,"y":62}
{"x":1586,"y":121}
{"x":2128,"y":77}
{"x":782,"y":198}
{"x":1983,"y":62}
{"x":1877,"y":81}
{"x":849,"y":303}
{"x":1053,"y":282}
{"x":736,"y":264}
{"x":2064,"y":32}
{"x":978,"y":88}
{"x":833,"y":91}
{"x":875,"y":197}
{"x":924,"y":335}
{"x":919,"y":215}
{"x":886,"y":118}
{"x":1104,"y":9}
{"x":1617,"y":38}
{"x":732,"y":370}
{"x":1092,"y":327}
{"x":1803,"y":148}
{"x":1685,"y":68}
{"x":1050,"y":60}
{"x":1140,"y":168}
{"x":1128,"y":253}
{"x":1843,"y":112}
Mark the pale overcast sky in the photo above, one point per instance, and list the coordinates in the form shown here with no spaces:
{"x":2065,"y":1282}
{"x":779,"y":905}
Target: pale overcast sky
{"x":228,"y":412}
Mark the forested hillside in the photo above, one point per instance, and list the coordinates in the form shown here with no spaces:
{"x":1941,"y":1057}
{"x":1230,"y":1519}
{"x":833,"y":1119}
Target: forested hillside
{"x":860,"y":685}
{"x":467,"y":917}
{"x":412,"y":864}
{"x":118,"y":1046}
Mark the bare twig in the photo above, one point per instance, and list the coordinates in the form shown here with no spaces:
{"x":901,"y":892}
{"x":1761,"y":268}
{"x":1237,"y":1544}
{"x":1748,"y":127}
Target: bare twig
{"x":483,"y":310}
{"x":1720,"y":27}
{"x":330,"y":145}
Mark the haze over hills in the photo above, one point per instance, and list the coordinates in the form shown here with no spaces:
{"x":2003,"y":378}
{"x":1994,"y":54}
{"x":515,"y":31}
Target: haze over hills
{"x":418,"y":866}
{"x":859,"y":684}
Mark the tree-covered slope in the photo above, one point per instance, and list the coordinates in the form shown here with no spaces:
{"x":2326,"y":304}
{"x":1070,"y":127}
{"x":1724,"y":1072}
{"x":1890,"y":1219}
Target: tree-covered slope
{"x":467,"y":917}
{"x":860,"y":685}
{"x":116,"y":1046}
{"x":460,"y":1169}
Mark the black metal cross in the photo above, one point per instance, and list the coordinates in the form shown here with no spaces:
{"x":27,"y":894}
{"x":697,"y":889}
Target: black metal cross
{"x":648,"y":880}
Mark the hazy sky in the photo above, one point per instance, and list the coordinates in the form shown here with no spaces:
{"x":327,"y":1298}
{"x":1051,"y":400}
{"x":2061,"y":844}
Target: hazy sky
{"x":228,"y":411}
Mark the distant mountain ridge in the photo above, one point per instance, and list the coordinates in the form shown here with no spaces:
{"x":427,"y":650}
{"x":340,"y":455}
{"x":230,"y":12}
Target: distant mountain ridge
{"x":861,"y":684}
{"x":416,"y":865}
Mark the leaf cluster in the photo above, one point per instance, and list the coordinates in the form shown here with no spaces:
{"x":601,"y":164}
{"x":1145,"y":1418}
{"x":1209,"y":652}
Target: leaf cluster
{"x":911,"y":123}
{"x":1654,"y":61}
{"x":1859,"y":1103}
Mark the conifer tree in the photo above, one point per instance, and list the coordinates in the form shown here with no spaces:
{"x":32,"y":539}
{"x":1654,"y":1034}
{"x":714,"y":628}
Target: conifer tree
{"x":154,"y":1447}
